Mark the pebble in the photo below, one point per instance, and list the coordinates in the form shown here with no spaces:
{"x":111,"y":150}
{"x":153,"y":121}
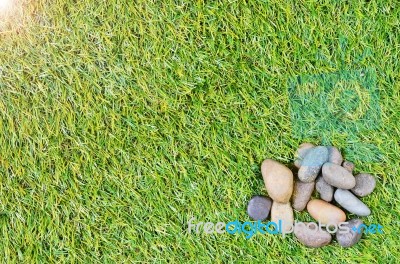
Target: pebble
{"x":301,"y":153}
{"x":335,"y":156}
{"x":311,"y":235}
{"x":351,"y":238}
{"x":312,"y":163}
{"x":324,"y":189}
{"x":259,"y":207}
{"x":325,"y":212}
{"x":351,"y":203}
{"x":278,"y":180}
{"x":348,"y":165}
{"x":365,"y":184}
{"x":284,"y":212}
{"x":302,"y":194}
{"x":338,"y":176}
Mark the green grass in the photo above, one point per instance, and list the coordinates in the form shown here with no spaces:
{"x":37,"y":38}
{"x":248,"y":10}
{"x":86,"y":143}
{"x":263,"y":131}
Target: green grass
{"x":121,"y":120}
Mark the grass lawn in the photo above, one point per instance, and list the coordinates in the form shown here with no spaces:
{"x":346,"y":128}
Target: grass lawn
{"x":121,"y":120}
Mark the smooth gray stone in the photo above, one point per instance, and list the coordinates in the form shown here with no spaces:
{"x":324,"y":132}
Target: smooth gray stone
{"x":351,"y":203}
{"x":259,"y":207}
{"x":283,"y":212}
{"x":324,"y":189}
{"x":365,"y":184}
{"x":337,"y":176}
{"x":312,"y":163}
{"x":351,"y":238}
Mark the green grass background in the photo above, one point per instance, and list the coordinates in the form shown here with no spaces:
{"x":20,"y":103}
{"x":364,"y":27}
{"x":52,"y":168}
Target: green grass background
{"x":121,"y":120}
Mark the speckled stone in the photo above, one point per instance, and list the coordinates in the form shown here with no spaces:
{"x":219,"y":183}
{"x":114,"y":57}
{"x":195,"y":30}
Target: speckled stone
{"x":351,"y":203}
{"x":259,"y":207}
{"x":311,"y":235}
{"x":302,"y":194}
{"x":312,"y":163}
{"x":351,"y":238}
{"x":365,"y":184}
{"x":324,"y":189}
{"x":337,"y":176}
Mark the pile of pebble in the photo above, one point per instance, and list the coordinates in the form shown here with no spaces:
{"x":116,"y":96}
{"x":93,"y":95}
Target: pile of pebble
{"x":321,"y":168}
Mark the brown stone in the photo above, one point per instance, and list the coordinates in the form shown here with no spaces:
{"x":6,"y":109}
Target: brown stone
{"x":283,"y":212}
{"x":301,"y":194}
{"x":310,"y":235}
{"x":278,"y":180}
{"x":325,"y":212}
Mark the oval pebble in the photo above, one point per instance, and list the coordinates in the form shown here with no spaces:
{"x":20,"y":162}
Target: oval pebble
{"x":325,"y":212}
{"x":335,"y":156}
{"x":312,"y":163}
{"x":278,"y":180}
{"x":352,"y":237}
{"x":310,"y":235}
{"x":338,"y":176}
{"x":302,"y":194}
{"x":351,"y":203}
{"x":301,"y":153}
{"x":283,"y":212}
{"x":324,"y":189}
{"x":259,"y":207}
{"x":365,"y":184}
